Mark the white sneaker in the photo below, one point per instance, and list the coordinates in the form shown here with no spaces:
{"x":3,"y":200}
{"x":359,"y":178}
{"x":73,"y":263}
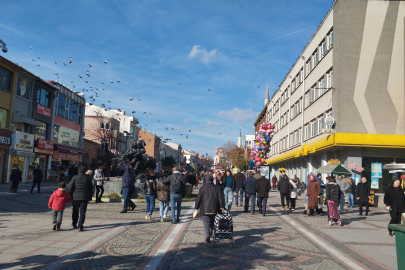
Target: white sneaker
{"x":164,"y":218}
{"x":148,"y":216}
{"x":161,"y":220}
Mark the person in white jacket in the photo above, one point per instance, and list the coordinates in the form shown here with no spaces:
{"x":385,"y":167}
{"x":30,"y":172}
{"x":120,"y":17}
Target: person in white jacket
{"x":99,"y":179}
{"x":293,"y":193}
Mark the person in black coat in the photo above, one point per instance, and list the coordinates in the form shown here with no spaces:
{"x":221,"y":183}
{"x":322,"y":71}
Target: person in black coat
{"x":250,"y":192}
{"x":37,"y":173}
{"x":263,"y":188}
{"x":239,"y":178}
{"x":333,"y":193}
{"x":395,"y":202}
{"x":209,"y":202}
{"x":284,"y":186}
{"x":363,"y":195}
{"x":15,"y":179}
{"x":81,"y":189}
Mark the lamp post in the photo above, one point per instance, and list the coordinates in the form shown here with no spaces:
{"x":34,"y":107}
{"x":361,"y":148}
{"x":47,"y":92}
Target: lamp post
{"x":3,"y":46}
{"x":126,"y":134}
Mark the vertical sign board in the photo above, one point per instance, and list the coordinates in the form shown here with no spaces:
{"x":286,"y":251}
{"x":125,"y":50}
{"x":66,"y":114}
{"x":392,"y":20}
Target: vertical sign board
{"x":266,"y":170}
{"x":375,"y":183}
{"x":376,"y":170}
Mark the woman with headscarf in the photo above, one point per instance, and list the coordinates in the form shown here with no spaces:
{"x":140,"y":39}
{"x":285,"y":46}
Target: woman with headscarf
{"x":293,"y":192}
{"x":313,"y":189}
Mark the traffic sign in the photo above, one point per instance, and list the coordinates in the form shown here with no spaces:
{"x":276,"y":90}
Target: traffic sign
{"x":359,"y":169}
{"x":352,"y":166}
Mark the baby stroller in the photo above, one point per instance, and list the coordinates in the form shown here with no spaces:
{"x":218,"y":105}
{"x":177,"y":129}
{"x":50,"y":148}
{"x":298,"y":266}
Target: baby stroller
{"x":333,"y":214}
{"x":223,"y":228}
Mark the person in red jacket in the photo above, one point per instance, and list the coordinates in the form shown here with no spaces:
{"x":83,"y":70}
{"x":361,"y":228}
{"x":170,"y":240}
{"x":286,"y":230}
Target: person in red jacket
{"x":57,"y":203}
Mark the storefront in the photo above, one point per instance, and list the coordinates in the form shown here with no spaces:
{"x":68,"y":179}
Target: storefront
{"x":65,"y":156}
{"x":22,"y":155}
{"x":43,"y":152}
{"x":5,"y":142}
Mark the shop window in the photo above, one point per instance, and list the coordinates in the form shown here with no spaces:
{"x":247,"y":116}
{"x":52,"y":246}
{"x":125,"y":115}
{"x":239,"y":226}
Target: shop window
{"x":66,"y":136}
{"x":24,"y":88}
{"x":3,"y":118}
{"x":43,"y":97}
{"x":5,"y":79}
{"x":40,"y":132}
{"x":73,"y":111}
{"x":17,"y":161}
{"x":61,"y":106}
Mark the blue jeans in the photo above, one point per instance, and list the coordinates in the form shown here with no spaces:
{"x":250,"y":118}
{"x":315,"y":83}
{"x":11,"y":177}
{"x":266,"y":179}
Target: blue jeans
{"x":342,"y":202}
{"x":173,"y":199}
{"x":239,"y":193}
{"x":228,"y":193}
{"x":350,"y":199}
{"x":150,"y":203}
{"x":125,"y":196}
{"x":163,"y":208}
{"x":252,"y":202}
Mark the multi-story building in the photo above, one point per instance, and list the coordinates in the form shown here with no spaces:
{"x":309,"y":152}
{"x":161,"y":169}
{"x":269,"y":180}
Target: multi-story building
{"x":129,"y":129}
{"x":168,"y":151}
{"x":221,"y":152}
{"x":179,"y":150}
{"x":249,"y":141}
{"x":351,"y":73}
{"x":152,"y":142}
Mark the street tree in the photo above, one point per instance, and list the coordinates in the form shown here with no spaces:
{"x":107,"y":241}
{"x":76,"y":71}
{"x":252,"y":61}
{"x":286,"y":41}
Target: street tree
{"x":168,"y":162}
{"x":239,"y":159}
{"x":229,"y":146}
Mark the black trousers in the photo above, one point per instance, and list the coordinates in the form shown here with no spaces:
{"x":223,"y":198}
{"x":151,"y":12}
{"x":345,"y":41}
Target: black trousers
{"x":287,"y":197}
{"x":14,"y":186}
{"x":361,"y":207}
{"x":208,"y":222}
{"x":262,"y":205}
{"x":99,"y":189}
{"x":79,"y":207}
{"x":293,"y":202}
{"x":395,"y":219}
{"x":39,"y":186}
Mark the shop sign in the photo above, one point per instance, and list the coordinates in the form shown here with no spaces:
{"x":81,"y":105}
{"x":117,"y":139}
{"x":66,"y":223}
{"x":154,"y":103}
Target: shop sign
{"x":43,"y":110}
{"x":5,"y":140}
{"x":23,"y":141}
{"x":65,"y":156}
{"x":45,"y":144}
{"x":334,"y":161}
{"x":375,"y":183}
{"x":376,"y":170}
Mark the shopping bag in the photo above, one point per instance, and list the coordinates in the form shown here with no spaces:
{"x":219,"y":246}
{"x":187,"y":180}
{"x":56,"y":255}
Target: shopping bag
{"x":403,"y":218}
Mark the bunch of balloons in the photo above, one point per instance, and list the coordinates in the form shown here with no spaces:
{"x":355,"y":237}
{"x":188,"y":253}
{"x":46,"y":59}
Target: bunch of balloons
{"x":261,"y":146}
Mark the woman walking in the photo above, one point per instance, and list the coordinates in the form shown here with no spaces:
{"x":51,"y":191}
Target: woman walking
{"x":163,"y":196}
{"x":293,"y":193}
{"x":350,"y":193}
{"x":312,"y":194}
{"x":332,"y":193}
{"x":149,"y":187}
{"x":274,"y":182}
{"x":229,"y":184}
{"x":395,"y":202}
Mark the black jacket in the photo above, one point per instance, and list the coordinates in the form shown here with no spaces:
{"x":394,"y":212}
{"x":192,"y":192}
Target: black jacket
{"x":284,"y":185}
{"x":150,"y":186}
{"x":210,"y":199}
{"x":351,"y":188}
{"x":223,"y":179}
{"x":190,"y":179}
{"x":333,"y":193}
{"x":81,"y":188}
{"x":363,"y":191}
{"x":395,"y":199}
{"x":239,"y":178}
{"x":263,"y":187}
{"x":37,"y":173}
{"x":170,"y":179}
{"x":72,"y":171}
{"x":250,"y":185}
{"x":16,"y":176}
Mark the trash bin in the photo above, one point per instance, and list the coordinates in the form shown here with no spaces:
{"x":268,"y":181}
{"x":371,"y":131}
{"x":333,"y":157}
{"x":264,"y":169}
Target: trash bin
{"x":399,"y":230}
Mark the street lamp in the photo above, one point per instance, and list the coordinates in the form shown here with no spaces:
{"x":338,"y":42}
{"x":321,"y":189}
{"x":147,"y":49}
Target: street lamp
{"x":4,"y":46}
{"x":126,"y":134}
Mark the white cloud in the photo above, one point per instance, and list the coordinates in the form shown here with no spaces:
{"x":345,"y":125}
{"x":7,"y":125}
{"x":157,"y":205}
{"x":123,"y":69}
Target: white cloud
{"x":244,"y":116}
{"x":213,"y":123}
{"x":202,"y":54}
{"x":16,"y":31}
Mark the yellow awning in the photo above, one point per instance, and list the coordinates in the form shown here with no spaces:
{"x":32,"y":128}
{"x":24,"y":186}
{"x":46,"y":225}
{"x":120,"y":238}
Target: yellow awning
{"x":342,"y":139}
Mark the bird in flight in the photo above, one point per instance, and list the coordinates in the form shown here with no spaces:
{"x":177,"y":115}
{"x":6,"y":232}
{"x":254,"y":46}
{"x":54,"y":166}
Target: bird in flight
{"x":118,"y":81}
{"x":80,"y":76}
{"x":86,"y":81}
{"x":39,"y":58}
{"x":71,"y":81}
{"x":102,"y":82}
{"x":109,"y":101}
{"x":103,"y":88}
{"x":103,"y":105}
{"x":167,"y":129}
{"x":39,"y":65}
{"x":130,"y":99}
{"x":133,"y":111}
{"x":70,"y":62}
{"x":189,"y":130}
{"x":254,"y":100}
{"x":105,"y":61}
{"x":187,"y":136}
{"x":258,"y":86}
{"x":32,"y":59}
{"x":90,"y":66}
{"x":64,"y":64}
{"x":112,"y":82}
{"x":56,"y":73}
{"x":209,"y":90}
{"x":31,"y":48}
{"x":139,"y":99}
{"x":56,"y":63}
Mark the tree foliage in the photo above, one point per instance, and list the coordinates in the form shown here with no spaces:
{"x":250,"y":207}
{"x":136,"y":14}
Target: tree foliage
{"x":168,"y":162}
{"x":229,"y":146}
{"x":239,"y":159}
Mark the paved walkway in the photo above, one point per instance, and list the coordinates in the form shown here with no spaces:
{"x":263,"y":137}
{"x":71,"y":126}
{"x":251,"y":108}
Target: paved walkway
{"x":280,"y":240}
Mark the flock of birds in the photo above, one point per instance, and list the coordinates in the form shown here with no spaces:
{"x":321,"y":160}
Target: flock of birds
{"x":95,"y":93}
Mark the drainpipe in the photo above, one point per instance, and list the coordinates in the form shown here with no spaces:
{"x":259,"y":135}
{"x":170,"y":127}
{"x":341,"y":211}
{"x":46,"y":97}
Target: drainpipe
{"x":303,"y":101}
{"x":289,"y":112}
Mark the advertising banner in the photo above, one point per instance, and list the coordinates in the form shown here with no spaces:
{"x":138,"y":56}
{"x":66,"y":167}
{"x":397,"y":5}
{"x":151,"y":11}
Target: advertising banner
{"x":375,"y":183}
{"x":43,"y":110}
{"x":23,"y":141}
{"x":65,"y":156}
{"x":376,"y":170}
{"x":266,"y":170}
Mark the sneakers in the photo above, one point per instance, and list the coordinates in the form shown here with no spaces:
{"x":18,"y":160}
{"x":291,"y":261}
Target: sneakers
{"x":207,"y":240}
{"x":123,"y":211}
{"x":288,"y":208}
{"x":174,"y":222}
{"x":292,"y":209}
{"x":164,"y":219}
{"x":133,"y":207}
{"x":178,"y":220}
{"x":390,"y":234}
{"x":80,"y":229}
{"x":54,"y":226}
{"x":147,"y":216}
{"x":74,"y":226}
{"x":283,"y":208}
{"x":58,"y":228}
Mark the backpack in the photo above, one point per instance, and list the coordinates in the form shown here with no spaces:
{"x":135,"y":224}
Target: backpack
{"x":176,"y":187}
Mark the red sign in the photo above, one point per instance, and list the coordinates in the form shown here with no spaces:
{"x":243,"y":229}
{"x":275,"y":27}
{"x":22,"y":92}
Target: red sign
{"x":45,"y":144}
{"x":352,"y":166}
{"x":43,"y":110}
{"x":359,"y":169}
{"x":65,"y":156}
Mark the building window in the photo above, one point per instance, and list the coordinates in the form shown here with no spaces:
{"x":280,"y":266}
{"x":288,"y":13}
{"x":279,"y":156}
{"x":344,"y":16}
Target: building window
{"x":299,"y":135}
{"x":104,"y":125}
{"x":315,"y":56}
{"x":40,"y":132}
{"x":314,"y":92}
{"x":306,"y":130}
{"x":313,"y":128}
{"x":296,"y":140}
{"x":329,"y":79}
{"x":330,"y":39}
{"x":320,"y":124}
{"x":307,"y":99}
{"x":61,"y":106}
{"x":322,"y":49}
{"x":3,"y":117}
{"x":73,"y":111}
{"x":321,"y":85}
{"x":308,"y":66}
{"x":66,"y":136}
{"x":24,"y":88}
{"x":5,"y":79}
{"x":43,"y":97}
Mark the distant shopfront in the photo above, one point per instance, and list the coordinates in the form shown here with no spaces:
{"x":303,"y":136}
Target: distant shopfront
{"x":22,"y":154}
{"x":5,"y":142}
{"x":43,"y":152}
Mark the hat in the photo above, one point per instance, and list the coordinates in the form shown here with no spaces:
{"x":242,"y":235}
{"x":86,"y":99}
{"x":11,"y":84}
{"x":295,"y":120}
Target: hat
{"x":89,"y":172}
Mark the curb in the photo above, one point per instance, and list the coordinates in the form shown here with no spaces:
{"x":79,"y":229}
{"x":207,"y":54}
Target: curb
{"x":134,"y":200}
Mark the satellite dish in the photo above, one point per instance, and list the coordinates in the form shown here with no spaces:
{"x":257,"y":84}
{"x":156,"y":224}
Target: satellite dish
{"x":329,"y":120}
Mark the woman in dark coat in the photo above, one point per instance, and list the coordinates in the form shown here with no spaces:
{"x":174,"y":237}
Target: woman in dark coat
{"x":395,"y":202}
{"x":333,"y":192}
{"x":363,"y":195}
{"x":163,"y":197}
{"x":313,"y":190}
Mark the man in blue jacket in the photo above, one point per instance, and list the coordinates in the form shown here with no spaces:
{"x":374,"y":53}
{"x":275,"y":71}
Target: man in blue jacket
{"x":249,"y":184}
{"x":127,"y":183}
{"x":318,"y":178}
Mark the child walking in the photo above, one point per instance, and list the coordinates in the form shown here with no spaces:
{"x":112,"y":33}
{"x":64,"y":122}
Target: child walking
{"x":57,"y":203}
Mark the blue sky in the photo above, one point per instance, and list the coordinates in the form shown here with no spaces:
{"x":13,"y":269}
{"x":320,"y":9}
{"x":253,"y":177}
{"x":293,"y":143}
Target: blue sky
{"x":167,"y":53}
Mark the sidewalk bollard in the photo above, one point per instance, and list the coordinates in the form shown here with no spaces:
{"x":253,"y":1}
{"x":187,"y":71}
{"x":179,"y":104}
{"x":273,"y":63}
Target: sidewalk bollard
{"x":399,"y":230}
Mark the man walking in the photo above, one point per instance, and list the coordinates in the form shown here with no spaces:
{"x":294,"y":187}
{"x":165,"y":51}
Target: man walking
{"x":37,"y":173}
{"x":177,"y":192}
{"x":99,"y":179}
{"x":239,"y":178}
{"x":284,"y":186}
{"x":15,"y":178}
{"x":127,"y":184}
{"x":344,"y":186}
{"x":363,"y":195}
{"x":263,"y":188}
{"x":250,"y":192}
{"x":80,"y":190}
